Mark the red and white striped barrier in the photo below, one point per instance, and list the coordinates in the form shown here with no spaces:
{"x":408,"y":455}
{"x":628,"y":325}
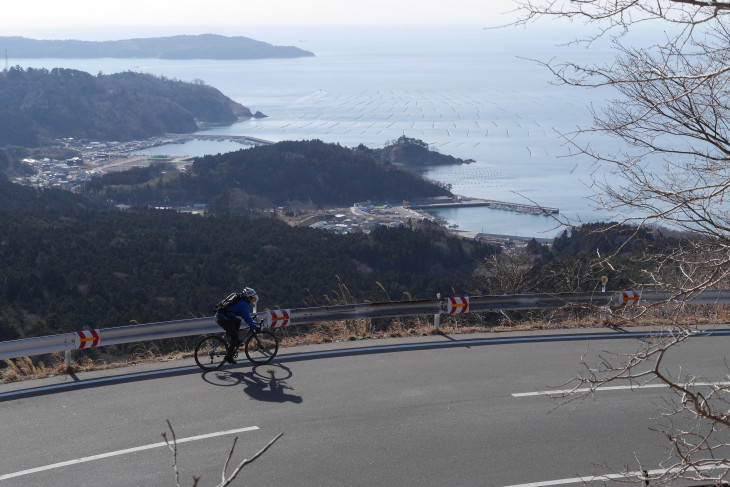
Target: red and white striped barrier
{"x":277,"y":319}
{"x":457,"y":305}
{"x":87,"y":339}
{"x":629,"y":298}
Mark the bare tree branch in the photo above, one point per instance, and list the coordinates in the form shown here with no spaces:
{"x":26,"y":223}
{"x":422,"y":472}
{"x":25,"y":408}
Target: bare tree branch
{"x":670,"y":120}
{"x":697,"y":418}
{"x":247,"y":461}
{"x":225,"y":480}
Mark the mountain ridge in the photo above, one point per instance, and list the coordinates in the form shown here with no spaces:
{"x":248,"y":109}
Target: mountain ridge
{"x":203,"y":46}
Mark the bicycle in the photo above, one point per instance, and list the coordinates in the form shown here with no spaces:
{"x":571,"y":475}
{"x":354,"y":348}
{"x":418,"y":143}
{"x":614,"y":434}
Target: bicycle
{"x":260,"y":347}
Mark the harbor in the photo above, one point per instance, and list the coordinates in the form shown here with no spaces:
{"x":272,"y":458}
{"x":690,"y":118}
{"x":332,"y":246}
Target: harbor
{"x":465,"y":201}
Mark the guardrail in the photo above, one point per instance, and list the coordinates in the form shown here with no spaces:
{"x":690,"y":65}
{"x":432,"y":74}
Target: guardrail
{"x":67,"y":342}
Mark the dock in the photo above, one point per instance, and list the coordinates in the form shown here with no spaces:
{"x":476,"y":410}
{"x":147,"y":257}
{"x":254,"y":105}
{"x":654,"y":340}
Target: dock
{"x":464,"y":201}
{"x":242,"y":139}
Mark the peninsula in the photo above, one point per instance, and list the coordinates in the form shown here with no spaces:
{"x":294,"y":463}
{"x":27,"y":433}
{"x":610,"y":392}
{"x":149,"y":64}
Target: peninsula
{"x":413,"y":152}
{"x":38,"y":105}
{"x":205,"y":46}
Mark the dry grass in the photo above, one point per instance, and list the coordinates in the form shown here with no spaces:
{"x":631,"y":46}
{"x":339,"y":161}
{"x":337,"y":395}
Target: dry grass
{"x":351,"y":330}
{"x":24,"y":368}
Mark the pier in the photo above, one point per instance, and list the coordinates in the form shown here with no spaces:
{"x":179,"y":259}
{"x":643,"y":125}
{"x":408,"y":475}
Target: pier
{"x":464,"y":201}
{"x":242,"y":139}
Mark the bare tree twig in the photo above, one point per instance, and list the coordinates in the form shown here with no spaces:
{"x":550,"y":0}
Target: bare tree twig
{"x":245,"y":462}
{"x":173,"y":449}
{"x":225,"y":481}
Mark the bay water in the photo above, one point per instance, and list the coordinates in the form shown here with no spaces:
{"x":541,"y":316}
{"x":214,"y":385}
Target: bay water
{"x":470,"y":92}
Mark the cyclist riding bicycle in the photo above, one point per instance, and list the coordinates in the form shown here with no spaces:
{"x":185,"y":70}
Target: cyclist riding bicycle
{"x":230,"y":319}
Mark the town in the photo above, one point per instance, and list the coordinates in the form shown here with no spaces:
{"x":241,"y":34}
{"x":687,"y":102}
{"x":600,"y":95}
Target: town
{"x":95,"y":158}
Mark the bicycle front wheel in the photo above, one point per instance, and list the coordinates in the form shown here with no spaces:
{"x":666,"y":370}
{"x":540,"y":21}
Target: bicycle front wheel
{"x":210,"y":352}
{"x":261,"y":347}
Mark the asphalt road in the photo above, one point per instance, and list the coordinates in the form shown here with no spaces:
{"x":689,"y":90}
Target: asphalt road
{"x":429,"y":415}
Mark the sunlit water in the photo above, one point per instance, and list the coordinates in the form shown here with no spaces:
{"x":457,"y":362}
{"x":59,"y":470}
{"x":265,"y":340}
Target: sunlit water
{"x":465,"y":92}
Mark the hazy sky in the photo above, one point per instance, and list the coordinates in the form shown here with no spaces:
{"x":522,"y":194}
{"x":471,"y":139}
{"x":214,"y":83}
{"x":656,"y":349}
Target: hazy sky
{"x":54,"y":14}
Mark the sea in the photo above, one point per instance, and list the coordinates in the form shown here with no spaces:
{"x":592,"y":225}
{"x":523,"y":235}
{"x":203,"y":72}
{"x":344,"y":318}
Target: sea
{"x":472,"y":92}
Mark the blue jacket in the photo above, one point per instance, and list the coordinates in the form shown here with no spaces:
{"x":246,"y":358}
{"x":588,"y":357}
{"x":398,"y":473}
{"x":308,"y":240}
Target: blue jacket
{"x":240,"y":310}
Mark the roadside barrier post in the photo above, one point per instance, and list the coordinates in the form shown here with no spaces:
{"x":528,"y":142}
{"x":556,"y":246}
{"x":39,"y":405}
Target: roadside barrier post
{"x":604,"y":281}
{"x":437,"y":317}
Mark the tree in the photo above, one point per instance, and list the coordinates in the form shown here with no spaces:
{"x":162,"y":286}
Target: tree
{"x":671,"y":116}
{"x":672,"y":170}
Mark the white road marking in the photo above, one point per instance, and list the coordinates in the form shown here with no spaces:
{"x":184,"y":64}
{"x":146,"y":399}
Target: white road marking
{"x":122,"y":452}
{"x":564,"y":392}
{"x":621,"y":477}
{"x":576,"y":480}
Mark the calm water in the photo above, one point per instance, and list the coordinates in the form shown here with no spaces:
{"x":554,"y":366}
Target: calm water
{"x":465,"y":92}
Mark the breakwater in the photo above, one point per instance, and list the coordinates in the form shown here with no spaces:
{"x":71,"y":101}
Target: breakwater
{"x":242,"y":139}
{"x":463,"y":201}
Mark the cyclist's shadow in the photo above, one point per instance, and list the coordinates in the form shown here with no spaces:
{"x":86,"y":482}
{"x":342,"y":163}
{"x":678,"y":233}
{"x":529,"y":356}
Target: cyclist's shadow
{"x":263,"y":382}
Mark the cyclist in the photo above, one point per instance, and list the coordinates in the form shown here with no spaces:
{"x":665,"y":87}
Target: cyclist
{"x":230,"y":319}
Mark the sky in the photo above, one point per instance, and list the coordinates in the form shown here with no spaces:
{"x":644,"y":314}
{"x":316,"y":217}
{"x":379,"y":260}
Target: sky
{"x":27,"y":17}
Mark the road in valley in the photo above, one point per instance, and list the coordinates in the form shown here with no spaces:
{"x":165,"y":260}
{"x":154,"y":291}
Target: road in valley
{"x":417,"y":413}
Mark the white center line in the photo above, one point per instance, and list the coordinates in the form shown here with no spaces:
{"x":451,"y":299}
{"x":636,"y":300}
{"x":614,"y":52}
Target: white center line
{"x":563,"y":392}
{"x":122,"y":452}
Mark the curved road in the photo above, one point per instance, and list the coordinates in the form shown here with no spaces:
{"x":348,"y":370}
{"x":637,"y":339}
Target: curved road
{"x":438,"y":410}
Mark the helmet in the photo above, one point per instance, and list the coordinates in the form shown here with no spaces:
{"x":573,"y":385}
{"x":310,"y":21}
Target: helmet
{"x":249,"y":293}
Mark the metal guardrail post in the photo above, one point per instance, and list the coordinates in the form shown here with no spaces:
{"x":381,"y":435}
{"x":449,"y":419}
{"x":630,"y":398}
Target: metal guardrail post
{"x":604,"y":282}
{"x":437,"y":317}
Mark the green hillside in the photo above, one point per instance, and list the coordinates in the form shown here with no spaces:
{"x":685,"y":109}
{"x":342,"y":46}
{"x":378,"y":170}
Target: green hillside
{"x":37,"y":105}
{"x":242,"y":181}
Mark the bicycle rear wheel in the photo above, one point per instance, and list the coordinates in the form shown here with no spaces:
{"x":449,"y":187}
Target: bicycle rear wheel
{"x":210,"y":352}
{"x":261,"y":347}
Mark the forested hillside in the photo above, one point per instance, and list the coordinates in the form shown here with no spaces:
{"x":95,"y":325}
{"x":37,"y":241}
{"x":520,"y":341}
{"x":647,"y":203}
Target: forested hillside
{"x":576,"y":261}
{"x":68,"y":263}
{"x":37,"y":105}
{"x":10,"y":162}
{"x":242,"y":181}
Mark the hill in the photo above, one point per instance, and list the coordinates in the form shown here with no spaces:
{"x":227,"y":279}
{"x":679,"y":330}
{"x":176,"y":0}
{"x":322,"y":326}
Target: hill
{"x":414,"y":152}
{"x":206,"y":46}
{"x":37,"y":105}
{"x":308,"y":172}
{"x":68,"y":262}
